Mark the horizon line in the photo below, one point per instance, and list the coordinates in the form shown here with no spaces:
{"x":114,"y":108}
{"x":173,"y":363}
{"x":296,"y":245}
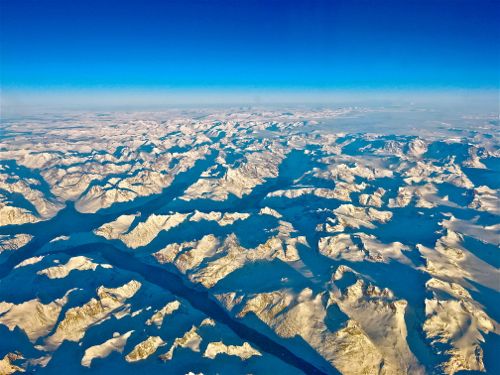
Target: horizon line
{"x":12,"y":100}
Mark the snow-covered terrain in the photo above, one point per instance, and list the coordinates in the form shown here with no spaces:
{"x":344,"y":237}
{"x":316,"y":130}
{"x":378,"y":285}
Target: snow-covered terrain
{"x":347,"y":240}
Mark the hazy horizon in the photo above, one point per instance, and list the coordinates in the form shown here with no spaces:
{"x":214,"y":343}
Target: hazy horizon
{"x":19,"y":101}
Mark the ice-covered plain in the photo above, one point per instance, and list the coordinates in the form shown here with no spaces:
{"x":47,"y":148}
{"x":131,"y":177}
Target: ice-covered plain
{"x":354,"y":240}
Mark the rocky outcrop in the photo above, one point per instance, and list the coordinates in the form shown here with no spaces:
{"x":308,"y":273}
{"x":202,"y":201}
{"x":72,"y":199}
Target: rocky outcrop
{"x":30,"y":261}
{"x":33,"y":317}
{"x":239,"y":181}
{"x":271,"y":212}
{"x":427,"y":171}
{"x":10,"y":215}
{"x":244,"y":351}
{"x":235,"y":256}
{"x":349,"y":216}
{"x":459,"y":323}
{"x":191,"y":340}
{"x":223,"y":219}
{"x":7,"y":364}
{"x":78,"y":319}
{"x":15,"y":242}
{"x":45,"y":208}
{"x":417,"y":147}
{"x":347,"y":172}
{"x":145,"y":349}
{"x":143,"y":233}
{"x":159,"y":315}
{"x":369,"y":305}
{"x":207,"y":261}
{"x":188,"y":255}
{"x":375,"y":347}
{"x":116,"y":228}
{"x":374,"y":199}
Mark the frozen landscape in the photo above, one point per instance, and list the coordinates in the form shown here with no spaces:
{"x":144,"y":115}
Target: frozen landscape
{"x":346,"y":240}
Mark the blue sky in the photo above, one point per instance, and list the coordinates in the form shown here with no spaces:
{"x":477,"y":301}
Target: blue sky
{"x":49,"y":44}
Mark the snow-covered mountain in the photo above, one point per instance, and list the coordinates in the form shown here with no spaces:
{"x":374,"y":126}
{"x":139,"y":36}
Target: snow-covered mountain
{"x":250,"y":241}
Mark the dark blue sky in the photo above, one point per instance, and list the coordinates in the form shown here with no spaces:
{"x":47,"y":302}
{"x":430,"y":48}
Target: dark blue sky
{"x":249,"y":43}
